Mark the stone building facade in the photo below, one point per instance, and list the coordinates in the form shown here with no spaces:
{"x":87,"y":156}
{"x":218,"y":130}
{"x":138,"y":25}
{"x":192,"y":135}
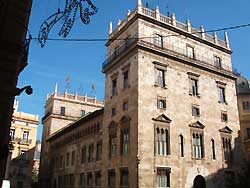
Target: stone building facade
{"x":170,"y":117}
{"x":61,"y":109}
{"x":23,"y":141}
{"x":243,"y":96}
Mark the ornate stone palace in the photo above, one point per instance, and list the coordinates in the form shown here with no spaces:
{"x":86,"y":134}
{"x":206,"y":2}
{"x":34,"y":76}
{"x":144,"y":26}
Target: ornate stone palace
{"x":170,"y":117}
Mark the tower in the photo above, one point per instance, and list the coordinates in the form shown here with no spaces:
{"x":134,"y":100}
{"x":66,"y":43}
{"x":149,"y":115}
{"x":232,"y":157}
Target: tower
{"x":170,"y":89}
{"x":61,"y":109}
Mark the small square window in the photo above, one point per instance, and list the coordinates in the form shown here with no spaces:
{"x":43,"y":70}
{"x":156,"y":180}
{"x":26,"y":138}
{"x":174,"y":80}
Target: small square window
{"x":83,"y":112}
{"x":195,"y":111}
{"x":113,"y":111}
{"x":224,"y":117}
{"x":125,"y":106}
{"x":161,"y":103}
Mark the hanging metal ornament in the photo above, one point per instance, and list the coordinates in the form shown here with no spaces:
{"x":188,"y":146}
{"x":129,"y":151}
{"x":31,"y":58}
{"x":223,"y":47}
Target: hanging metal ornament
{"x":68,"y":15}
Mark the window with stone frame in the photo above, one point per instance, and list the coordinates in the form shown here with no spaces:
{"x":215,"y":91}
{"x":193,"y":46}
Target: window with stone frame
{"x":61,"y":161}
{"x":162,"y":135}
{"x":224,"y":116}
{"x":195,"y":110}
{"x":112,"y":138}
{"x":67,"y":159}
{"x":221,"y":92}
{"x":124,"y":135}
{"x":160,"y":74}
{"x":12,"y":134}
{"x":84,"y":154}
{"x":190,"y":51}
{"x":82,"y":182}
{"x":181,"y":142}
{"x":97,"y":179}
{"x":111,"y":178}
{"x":161,"y":103}
{"x":124,"y":178}
{"x":159,"y":40}
{"x":71,"y":180}
{"x":193,"y":84}
{"x":125,"y":105}
{"x":99,"y":150}
{"x":125,"y":79}
{"x":213,"y":149}
{"x":91,"y":153}
{"x":246,"y":105}
{"x":226,"y":138}
{"x":114,"y":87}
{"x":73,"y":157}
{"x":217,"y":61}
{"x":163,"y":177}
{"x":62,"y":111}
{"x":197,"y":140}
{"x":90,"y":182}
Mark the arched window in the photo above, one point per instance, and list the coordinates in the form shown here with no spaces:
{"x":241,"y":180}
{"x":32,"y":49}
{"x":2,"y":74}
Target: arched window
{"x":197,"y":145}
{"x":161,"y":141}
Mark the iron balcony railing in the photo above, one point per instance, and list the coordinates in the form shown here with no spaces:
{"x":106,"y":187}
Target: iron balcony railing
{"x":21,"y":140}
{"x":170,"y":49}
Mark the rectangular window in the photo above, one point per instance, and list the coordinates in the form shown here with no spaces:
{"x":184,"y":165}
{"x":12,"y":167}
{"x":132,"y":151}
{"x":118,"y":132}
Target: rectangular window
{"x":217,"y":61}
{"x":246,"y":105}
{"x":71,"y":179}
{"x":113,"y":111}
{"x":226,"y":146}
{"x":82,"y":180}
{"x":114,"y":87}
{"x":97,"y":179}
{"x":91,"y":153}
{"x":125,"y":79}
{"x":61,"y":161}
{"x":111,"y":178}
{"x":62,"y":111}
{"x":124,"y":178}
{"x":190,"y":52}
{"x":125,"y":106}
{"x":222,"y":97}
{"x":73,"y":157}
{"x":159,"y":40}
{"x":195,"y":111}
{"x":248,"y":133}
{"x":83,"y":112}
{"x":99,"y":150}
{"x":181,"y":145}
{"x":224,"y":117}
{"x":213,"y":149}
{"x":26,"y":136}
{"x":161,"y":141}
{"x":12,"y":134}
{"x":67,"y":159}
{"x":161,"y":103}
{"x":124,"y":141}
{"x":194,"y":87}
{"x":197,"y":145}
{"x":112,"y":145}
{"x":160,"y":75}
{"x":163,"y":178}
{"x":89,"y":180}
{"x":84,"y":154}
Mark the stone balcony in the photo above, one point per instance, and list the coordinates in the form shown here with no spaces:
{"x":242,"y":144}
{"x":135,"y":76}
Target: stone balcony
{"x":173,"y":23}
{"x":167,"y":50}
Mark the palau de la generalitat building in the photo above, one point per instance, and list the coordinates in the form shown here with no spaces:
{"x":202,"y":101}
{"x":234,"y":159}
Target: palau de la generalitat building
{"x":170,"y":116}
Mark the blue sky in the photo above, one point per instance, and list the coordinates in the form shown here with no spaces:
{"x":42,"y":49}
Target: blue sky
{"x":82,"y":61}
